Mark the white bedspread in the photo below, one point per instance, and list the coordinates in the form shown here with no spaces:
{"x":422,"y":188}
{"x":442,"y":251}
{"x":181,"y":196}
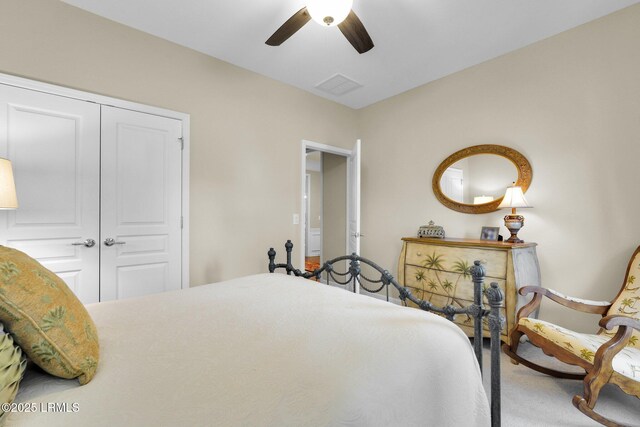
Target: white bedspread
{"x":268,"y":350}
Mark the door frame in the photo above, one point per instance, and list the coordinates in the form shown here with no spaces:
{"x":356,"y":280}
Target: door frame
{"x":324,"y":148}
{"x":20,"y":82}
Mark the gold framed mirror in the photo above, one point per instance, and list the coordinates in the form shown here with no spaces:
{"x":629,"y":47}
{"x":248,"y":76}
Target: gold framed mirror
{"x":495,"y":167}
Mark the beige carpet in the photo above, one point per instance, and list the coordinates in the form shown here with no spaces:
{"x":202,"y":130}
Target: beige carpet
{"x":533,"y":399}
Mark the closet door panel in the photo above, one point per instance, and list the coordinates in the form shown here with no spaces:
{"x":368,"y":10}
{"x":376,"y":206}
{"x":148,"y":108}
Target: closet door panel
{"x":54,"y":145}
{"x":141,"y":204}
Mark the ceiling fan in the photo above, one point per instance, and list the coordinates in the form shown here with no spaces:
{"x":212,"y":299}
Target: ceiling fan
{"x":328,"y":13}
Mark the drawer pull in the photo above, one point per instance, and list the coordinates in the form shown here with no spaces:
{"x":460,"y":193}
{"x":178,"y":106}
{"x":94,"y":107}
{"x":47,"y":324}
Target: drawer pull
{"x":419,"y":253}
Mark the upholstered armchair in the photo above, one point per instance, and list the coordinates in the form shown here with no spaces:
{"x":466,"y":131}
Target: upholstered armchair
{"x":612,"y":355}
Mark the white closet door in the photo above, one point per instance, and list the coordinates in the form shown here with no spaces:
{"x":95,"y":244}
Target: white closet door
{"x":141,"y":204}
{"x":54,"y":145}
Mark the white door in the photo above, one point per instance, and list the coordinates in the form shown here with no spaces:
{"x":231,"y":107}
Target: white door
{"x":141,"y":204}
{"x":54,"y":145}
{"x":452,"y":184}
{"x":353,"y":223}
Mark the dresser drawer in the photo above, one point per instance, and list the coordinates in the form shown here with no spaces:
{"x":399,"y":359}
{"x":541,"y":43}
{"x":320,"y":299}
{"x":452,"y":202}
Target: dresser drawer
{"x":455,"y":259}
{"x":455,"y":288}
{"x":463,"y":320}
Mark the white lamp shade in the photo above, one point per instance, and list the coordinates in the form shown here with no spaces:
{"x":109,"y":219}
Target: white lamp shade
{"x":329,"y":12}
{"x":8,"y":199}
{"x":514,"y":198}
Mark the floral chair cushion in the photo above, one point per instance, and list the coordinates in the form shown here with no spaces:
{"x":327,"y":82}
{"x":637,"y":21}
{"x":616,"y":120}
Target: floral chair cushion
{"x":626,"y":363}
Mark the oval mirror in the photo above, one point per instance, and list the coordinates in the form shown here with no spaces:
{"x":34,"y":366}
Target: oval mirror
{"x":474,"y":180}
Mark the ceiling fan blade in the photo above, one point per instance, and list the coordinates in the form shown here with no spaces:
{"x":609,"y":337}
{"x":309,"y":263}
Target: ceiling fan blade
{"x":355,"y":32}
{"x":289,"y":28}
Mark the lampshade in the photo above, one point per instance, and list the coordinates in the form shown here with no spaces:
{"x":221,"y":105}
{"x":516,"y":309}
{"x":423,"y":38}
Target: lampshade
{"x":514,"y":198}
{"x":479,"y":200}
{"x":329,"y":12}
{"x":8,"y":199}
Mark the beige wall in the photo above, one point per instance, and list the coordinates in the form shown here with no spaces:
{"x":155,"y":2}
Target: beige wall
{"x":246,"y":130}
{"x":334,"y":206}
{"x":571,"y":105}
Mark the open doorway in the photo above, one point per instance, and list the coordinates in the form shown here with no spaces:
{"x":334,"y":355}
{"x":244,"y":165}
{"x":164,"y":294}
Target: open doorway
{"x":330,"y":225}
{"x":313,"y":214}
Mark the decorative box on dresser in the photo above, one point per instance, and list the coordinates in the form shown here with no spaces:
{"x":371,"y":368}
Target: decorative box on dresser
{"x":437,"y":270}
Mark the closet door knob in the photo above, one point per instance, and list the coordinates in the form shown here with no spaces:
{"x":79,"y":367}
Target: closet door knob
{"x":89,"y":243}
{"x":110,"y":242}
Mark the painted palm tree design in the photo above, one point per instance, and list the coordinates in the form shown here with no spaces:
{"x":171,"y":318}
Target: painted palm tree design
{"x":56,"y":319}
{"x":633,"y":341}
{"x":420,"y":276}
{"x":447,"y":286}
{"x":587,"y":354}
{"x":434,"y":262}
{"x":627,"y":303}
{"x":433,"y":286}
{"x":538,"y":327}
{"x":463,"y":269}
{"x":630,"y":281}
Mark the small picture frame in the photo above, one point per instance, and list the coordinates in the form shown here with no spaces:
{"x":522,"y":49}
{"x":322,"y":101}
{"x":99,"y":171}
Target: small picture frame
{"x":489,"y":233}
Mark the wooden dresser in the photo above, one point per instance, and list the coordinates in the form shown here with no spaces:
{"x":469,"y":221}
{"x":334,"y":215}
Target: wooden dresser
{"x":437,"y":270}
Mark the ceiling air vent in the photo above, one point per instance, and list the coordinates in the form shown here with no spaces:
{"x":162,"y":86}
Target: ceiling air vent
{"x":338,"y":85}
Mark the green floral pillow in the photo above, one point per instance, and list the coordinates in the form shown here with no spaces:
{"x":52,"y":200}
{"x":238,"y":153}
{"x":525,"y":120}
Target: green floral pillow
{"x":12,"y":365}
{"x":46,"y":319}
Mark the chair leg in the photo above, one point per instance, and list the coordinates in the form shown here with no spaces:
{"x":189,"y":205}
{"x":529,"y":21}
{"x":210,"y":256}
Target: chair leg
{"x":515,"y":342}
{"x":582,"y":405}
{"x":599,"y":376}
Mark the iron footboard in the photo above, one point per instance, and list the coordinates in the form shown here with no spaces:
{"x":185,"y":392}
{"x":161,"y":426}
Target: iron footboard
{"x":355,"y":277}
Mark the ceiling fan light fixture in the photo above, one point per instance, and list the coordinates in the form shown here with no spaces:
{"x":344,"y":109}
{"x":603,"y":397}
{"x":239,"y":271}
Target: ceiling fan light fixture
{"x":329,"y":13}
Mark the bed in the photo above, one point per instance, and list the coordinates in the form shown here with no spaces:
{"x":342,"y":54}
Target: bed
{"x":266,"y":350}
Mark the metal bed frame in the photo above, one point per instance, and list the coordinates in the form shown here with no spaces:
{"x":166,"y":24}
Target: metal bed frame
{"x":354,"y":276}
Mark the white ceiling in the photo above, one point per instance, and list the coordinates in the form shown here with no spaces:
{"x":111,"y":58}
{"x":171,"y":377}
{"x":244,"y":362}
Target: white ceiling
{"x":416,"y":41}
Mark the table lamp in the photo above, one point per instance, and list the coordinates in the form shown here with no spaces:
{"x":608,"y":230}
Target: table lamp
{"x":8,"y":199}
{"x":514,"y":198}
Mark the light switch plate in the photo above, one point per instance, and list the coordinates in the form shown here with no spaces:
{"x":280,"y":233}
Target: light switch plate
{"x":296,"y":219}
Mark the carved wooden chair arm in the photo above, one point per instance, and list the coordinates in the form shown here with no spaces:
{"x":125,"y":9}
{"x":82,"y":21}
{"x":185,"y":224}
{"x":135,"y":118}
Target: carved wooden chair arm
{"x":610,"y":322}
{"x":578,"y":304}
{"x":603,"y":360}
